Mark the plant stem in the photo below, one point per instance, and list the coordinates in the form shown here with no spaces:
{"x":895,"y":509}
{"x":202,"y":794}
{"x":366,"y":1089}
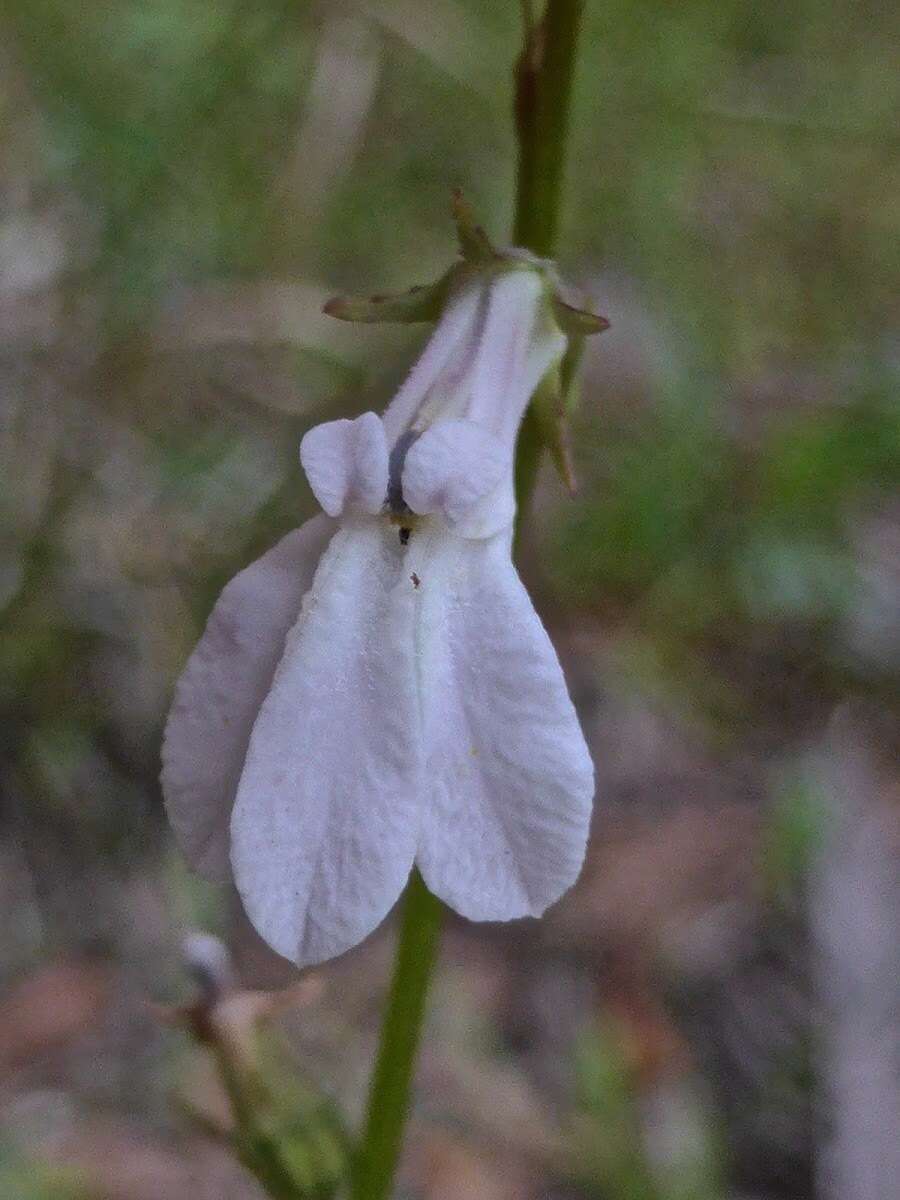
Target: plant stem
{"x":389,"y":1094}
{"x":544,"y":77}
{"x":544,"y":86}
{"x":543,"y":103}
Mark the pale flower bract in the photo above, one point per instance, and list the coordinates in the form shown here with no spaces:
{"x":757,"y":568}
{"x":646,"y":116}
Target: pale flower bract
{"x":377,"y":690}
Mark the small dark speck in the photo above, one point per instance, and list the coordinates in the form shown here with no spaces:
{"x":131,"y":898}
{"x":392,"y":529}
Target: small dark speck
{"x":415,"y":579}
{"x":404,"y":536}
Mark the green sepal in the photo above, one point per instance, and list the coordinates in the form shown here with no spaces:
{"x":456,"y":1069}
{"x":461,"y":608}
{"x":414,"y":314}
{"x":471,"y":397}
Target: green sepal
{"x":576,"y":321}
{"x":474,"y":244}
{"x":570,"y":375}
{"x":549,"y":406}
{"x":558,"y":395}
{"x":423,"y":303}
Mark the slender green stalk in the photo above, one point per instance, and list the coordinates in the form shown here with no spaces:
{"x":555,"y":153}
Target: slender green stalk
{"x":545,"y":73}
{"x":543,"y":103}
{"x":389,"y":1093}
{"x":544,"y":86}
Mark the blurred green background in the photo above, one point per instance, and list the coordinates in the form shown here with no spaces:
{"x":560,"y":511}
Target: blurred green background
{"x":182,"y":184}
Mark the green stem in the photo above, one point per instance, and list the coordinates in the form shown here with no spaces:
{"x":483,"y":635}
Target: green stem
{"x":545,"y":73}
{"x":544,"y":87}
{"x":543,"y":103}
{"x":389,"y":1094}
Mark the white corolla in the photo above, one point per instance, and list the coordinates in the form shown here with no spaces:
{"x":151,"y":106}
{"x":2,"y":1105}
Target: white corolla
{"x":377,"y":691}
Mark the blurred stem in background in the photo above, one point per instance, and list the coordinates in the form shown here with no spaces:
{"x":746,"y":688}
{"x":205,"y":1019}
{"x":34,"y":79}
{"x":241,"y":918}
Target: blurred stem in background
{"x":543,"y":91}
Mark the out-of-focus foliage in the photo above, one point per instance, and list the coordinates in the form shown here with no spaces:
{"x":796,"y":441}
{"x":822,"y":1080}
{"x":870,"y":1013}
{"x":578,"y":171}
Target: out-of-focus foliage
{"x":26,"y":1180}
{"x":184,"y":182}
{"x":613,"y":1154}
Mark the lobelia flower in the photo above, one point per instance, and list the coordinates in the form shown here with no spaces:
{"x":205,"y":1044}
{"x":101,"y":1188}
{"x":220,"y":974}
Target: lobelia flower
{"x":377,"y":690}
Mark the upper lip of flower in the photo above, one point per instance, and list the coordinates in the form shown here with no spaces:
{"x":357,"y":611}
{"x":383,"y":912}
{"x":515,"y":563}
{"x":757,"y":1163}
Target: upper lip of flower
{"x":446,"y":442}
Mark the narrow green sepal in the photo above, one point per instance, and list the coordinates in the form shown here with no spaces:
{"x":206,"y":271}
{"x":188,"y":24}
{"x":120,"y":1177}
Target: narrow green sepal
{"x":422,"y":303}
{"x":474,"y":244}
{"x":576,"y":321}
{"x":570,"y":375}
{"x":549,"y":405}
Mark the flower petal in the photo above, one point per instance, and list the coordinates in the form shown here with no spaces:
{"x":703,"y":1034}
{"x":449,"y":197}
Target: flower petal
{"x":518,"y":346}
{"x":451,"y":466}
{"x":222,"y":687}
{"x":346,"y":463}
{"x":443,"y":362}
{"x":326,"y":820}
{"x":506,"y":817}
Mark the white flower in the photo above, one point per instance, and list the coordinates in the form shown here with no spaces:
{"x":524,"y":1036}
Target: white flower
{"x":377,"y":690}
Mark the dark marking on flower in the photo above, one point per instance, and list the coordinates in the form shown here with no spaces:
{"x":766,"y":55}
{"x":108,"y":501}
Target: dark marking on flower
{"x":404,"y":535}
{"x":394,"y":499}
{"x":415,"y":579}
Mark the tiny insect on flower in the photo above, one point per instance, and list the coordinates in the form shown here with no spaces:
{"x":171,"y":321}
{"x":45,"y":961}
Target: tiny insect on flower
{"x":335,"y":725}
